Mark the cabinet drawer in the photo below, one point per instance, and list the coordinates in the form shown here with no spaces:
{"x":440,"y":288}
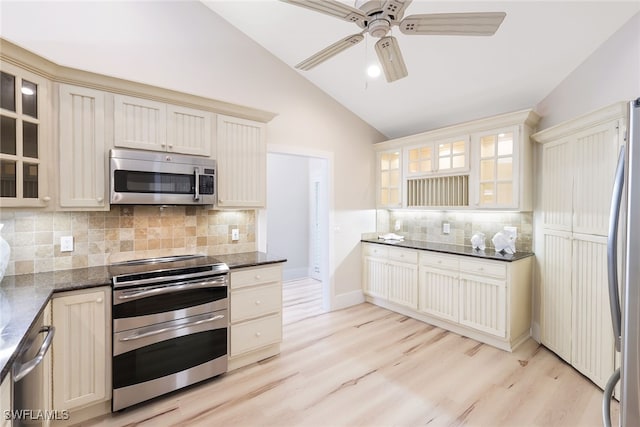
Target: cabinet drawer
{"x":448,"y":262}
{"x":403,"y":255}
{"x":378,"y":251}
{"x":255,"y":302}
{"x":254,"y":334}
{"x":485,"y":268}
{"x":255,"y":276}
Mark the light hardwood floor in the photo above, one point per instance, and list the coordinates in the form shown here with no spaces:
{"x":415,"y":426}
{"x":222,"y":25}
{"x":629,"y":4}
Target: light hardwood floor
{"x":301,"y":298}
{"x":366,"y":366}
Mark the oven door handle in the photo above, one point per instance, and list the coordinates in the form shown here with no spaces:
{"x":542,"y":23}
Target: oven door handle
{"x":170,"y":289}
{"x":171,"y":328}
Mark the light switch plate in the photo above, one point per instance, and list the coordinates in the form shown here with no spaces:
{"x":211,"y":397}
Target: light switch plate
{"x":66,"y":244}
{"x":235,"y":234}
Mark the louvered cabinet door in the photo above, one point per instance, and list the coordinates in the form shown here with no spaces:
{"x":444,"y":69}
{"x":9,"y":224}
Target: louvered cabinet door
{"x":82,"y":148}
{"x":438,"y":293}
{"x":555,"y":315}
{"x":189,"y":131}
{"x":557,"y":185}
{"x":81,"y":348}
{"x":140,"y":123}
{"x":375,"y":277}
{"x":595,"y":155}
{"x":483,"y":304}
{"x":592,"y":341}
{"x":242,"y":162}
{"x":403,"y":283}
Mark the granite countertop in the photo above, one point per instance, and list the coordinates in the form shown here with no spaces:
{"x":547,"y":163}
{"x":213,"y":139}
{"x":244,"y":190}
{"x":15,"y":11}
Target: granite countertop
{"x":28,"y":294}
{"x":451,"y":249}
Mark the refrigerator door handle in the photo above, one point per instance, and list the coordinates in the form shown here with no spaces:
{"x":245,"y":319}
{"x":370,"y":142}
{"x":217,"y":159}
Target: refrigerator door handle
{"x":607,"y":396}
{"x":612,"y":249}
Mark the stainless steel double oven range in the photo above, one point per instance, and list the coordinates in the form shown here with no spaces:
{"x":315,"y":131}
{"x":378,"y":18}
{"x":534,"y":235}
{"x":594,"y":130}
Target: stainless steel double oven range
{"x":170,"y":322}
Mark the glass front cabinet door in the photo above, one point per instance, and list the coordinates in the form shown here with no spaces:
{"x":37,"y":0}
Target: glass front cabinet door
{"x":389,"y":179}
{"x":22,"y":171}
{"x":497,"y":157}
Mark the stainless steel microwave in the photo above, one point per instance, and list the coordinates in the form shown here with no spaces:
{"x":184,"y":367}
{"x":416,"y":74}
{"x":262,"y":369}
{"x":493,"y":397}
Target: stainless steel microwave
{"x":151,"y":178}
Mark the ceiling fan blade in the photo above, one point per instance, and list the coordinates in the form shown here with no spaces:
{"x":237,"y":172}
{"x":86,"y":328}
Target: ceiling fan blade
{"x":395,"y":8}
{"x":333,"y":8}
{"x":329,"y":52}
{"x":453,"y":24}
{"x":390,"y":58}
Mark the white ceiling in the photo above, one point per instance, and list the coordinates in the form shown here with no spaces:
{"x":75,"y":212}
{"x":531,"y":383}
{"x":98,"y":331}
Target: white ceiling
{"x":451,"y":78}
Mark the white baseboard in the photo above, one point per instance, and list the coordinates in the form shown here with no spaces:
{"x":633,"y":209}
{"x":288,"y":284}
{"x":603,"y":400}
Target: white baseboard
{"x":347,"y":300}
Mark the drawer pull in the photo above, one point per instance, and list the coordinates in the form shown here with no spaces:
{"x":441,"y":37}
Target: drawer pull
{"x":258,"y":302}
{"x":258,"y":334}
{"x":257,"y":277}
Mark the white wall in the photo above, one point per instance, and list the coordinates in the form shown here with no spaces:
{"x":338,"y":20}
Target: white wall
{"x":288,"y":212}
{"x":186,"y":47}
{"x":611,"y":74}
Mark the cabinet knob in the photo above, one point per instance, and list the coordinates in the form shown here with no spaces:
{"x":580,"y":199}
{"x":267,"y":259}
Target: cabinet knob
{"x":257,"y":277}
{"x":258,"y":334}
{"x":481,"y":269}
{"x":46,"y":199}
{"x":439,"y":261}
{"x":98,"y":301}
{"x":258,"y":302}
{"x":99,"y":199}
{"x":170,"y":145}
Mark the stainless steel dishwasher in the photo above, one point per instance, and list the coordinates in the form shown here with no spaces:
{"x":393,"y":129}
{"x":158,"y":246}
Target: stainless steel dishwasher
{"x":28,"y":376}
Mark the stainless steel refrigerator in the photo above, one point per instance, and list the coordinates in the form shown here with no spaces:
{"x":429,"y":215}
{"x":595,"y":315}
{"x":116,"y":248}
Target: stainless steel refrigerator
{"x":624,"y":275}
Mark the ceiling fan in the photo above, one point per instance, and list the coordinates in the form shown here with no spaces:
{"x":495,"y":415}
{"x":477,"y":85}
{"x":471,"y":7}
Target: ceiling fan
{"x":376,"y":17}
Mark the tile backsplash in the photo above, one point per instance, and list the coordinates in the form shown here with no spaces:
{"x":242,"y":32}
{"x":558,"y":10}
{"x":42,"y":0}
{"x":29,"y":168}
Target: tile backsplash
{"x":427,"y":226}
{"x":124,"y":232}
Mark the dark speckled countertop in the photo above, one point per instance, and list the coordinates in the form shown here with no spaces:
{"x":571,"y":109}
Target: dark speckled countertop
{"x":451,"y":249}
{"x":28,"y":294}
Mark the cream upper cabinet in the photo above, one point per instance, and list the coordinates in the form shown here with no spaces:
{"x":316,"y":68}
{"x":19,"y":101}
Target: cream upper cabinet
{"x":150,"y":125}
{"x":242,"y":162}
{"x":82,"y":148}
{"x":389,"y":179}
{"x":26,"y":143}
{"x":81,"y":348}
{"x":483,"y":164}
{"x":438,"y":157}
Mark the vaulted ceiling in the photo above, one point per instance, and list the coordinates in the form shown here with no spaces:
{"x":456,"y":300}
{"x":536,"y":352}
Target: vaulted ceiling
{"x":451,"y":78}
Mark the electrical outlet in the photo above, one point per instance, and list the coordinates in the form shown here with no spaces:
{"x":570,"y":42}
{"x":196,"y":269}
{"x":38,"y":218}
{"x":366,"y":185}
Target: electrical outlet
{"x":66,"y":244}
{"x":397,"y":225}
{"x":446,"y":228}
{"x":512,"y":231}
{"x":235,"y":234}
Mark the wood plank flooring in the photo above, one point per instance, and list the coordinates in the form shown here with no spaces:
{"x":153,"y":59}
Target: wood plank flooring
{"x":301,"y":298}
{"x":367,"y":366}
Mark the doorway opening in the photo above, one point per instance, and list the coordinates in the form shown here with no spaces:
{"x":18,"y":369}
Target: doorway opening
{"x":297,"y":219}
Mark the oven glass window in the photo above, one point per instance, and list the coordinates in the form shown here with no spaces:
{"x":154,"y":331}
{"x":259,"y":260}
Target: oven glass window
{"x":153,"y":182}
{"x":168,"y":302}
{"x":168,"y":357}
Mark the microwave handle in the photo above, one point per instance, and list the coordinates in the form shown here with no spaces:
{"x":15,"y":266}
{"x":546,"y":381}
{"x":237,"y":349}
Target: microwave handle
{"x":196,"y":175}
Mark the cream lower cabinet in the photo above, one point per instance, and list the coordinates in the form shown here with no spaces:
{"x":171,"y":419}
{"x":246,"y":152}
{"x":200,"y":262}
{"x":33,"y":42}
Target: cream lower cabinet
{"x":486,"y":300}
{"x":391,"y":274}
{"x":255,"y":331}
{"x":81,"y":348}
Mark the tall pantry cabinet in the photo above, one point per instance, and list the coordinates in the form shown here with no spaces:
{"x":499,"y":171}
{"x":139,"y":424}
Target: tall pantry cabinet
{"x":578,"y":164}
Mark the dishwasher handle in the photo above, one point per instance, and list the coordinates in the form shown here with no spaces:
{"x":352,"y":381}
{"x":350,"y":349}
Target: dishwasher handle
{"x":24,"y":369}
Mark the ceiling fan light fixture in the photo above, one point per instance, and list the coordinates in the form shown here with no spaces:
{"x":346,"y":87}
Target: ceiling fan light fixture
{"x":373,"y":71}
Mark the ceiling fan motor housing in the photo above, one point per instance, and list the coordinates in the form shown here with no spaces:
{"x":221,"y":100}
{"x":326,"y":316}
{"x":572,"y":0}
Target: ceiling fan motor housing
{"x":379,"y":27}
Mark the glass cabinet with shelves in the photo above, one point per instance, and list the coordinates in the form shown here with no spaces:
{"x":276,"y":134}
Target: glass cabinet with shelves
{"x":389,"y":179}
{"x":22,"y":171}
